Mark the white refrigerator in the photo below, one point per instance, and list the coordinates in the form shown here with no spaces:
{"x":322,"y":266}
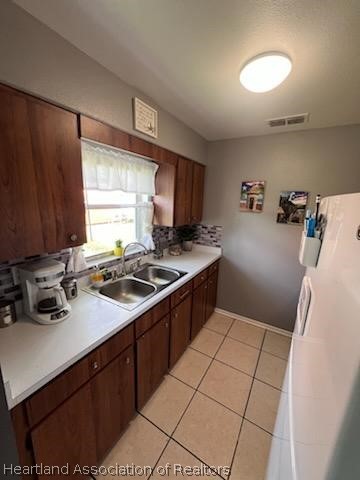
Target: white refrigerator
{"x":317,"y":432}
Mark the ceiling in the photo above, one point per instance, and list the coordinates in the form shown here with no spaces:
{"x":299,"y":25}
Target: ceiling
{"x":187,"y":54}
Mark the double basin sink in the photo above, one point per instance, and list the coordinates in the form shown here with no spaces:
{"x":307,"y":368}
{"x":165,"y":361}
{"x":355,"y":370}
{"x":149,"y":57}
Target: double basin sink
{"x":129,"y":292}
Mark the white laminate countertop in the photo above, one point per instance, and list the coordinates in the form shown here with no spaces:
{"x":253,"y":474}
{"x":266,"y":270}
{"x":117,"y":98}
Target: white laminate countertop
{"x":32,"y":354}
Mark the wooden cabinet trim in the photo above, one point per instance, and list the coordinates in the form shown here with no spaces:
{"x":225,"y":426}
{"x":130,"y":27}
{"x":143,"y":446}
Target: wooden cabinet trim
{"x":54,"y":393}
{"x":214,"y":267}
{"x":181,"y":293}
{"x":161,"y":309}
{"x":116,"y":344}
{"x":39,"y":201}
{"x":200,"y":278}
{"x":73,"y":423}
{"x":113,"y":399}
{"x":180,"y":329}
{"x":197,"y":200}
{"x":152,"y":354}
{"x":183,"y":191}
{"x":152,"y":316}
{"x":101,"y":132}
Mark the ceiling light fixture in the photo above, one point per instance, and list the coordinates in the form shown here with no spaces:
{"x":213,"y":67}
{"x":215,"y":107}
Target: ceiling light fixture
{"x":265,"y":72}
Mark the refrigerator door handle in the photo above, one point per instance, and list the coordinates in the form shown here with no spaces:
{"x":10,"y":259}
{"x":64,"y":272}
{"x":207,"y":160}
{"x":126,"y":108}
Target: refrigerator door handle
{"x":303,"y":306}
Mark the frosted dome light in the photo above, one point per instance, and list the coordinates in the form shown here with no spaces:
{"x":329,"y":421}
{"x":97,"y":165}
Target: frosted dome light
{"x":265,"y":72}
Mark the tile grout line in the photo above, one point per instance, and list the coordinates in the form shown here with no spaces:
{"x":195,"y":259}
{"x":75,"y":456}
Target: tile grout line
{"x":158,"y":460}
{"x":195,"y":392}
{"x":260,"y":350}
{"x":170,"y":436}
{"x":246,"y":405}
{"x":232,"y":338}
{"x":266,"y":331}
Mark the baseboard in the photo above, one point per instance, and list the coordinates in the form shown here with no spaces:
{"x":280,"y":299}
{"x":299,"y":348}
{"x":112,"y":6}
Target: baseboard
{"x":253,"y":322}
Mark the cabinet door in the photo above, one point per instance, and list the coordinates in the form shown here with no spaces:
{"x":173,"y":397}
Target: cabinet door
{"x":198,"y":309}
{"x":211,"y":295}
{"x":164,"y":199}
{"x":197,"y":192}
{"x":152,"y":355}
{"x":67,"y":436}
{"x":180,"y":329}
{"x":41,"y":194}
{"x":183,"y":192}
{"x":113,"y":398}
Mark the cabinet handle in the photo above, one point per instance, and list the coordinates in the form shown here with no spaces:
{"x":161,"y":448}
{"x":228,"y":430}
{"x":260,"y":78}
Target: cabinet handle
{"x":127,"y":360}
{"x":95,"y":365}
{"x":206,"y":287}
{"x":73,"y":237}
{"x":184,"y":294}
{"x":176,"y":315}
{"x":167,"y":325}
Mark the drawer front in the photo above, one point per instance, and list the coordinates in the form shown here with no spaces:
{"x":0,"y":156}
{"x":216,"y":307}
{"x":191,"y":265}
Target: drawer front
{"x":160,"y":310}
{"x":199,"y":279}
{"x":181,"y":294}
{"x":57,"y":391}
{"x":116,"y":344}
{"x":143,"y":323}
{"x":94,"y":362}
{"x":213,"y":268}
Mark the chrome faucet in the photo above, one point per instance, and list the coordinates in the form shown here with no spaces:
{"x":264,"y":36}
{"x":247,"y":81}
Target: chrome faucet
{"x":123,"y":257}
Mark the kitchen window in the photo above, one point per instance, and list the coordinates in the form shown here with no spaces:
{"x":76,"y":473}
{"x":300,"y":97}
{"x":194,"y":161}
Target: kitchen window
{"x":119,"y":187}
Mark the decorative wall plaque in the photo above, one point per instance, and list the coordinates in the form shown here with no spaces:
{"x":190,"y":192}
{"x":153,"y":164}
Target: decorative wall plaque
{"x":145,"y":118}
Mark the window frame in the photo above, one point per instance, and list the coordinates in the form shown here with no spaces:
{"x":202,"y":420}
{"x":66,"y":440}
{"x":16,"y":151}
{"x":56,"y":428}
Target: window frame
{"x":117,"y":206}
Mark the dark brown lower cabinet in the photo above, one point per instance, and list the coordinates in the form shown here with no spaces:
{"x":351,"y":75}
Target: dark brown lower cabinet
{"x":211,"y":295}
{"x":67,"y":436}
{"x":180,"y":328}
{"x":152,"y":355}
{"x":198,"y":309}
{"x":79,"y":416}
{"x":113,"y":399}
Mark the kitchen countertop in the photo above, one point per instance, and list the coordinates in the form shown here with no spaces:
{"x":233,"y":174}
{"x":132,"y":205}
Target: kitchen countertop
{"x":32,"y":354}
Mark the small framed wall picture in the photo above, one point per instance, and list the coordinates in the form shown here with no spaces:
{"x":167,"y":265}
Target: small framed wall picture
{"x":145,"y":118}
{"x":252,"y":196}
{"x":292,"y":206}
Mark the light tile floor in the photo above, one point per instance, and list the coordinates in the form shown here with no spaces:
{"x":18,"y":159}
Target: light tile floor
{"x":216,"y":408}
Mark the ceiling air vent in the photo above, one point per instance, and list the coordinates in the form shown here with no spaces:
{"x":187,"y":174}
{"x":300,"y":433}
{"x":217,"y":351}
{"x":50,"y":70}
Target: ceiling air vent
{"x":290,"y":120}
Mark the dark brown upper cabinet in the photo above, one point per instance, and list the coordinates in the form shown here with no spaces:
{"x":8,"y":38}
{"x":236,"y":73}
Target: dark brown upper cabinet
{"x":41,"y":194}
{"x":183,"y":192}
{"x":197,"y":192}
{"x":102,"y":133}
{"x":164,"y":200}
{"x":179,"y":181}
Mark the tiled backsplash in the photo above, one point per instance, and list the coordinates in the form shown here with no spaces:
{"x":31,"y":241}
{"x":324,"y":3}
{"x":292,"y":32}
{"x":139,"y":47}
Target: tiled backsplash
{"x":210,"y":235}
{"x":9,"y":286}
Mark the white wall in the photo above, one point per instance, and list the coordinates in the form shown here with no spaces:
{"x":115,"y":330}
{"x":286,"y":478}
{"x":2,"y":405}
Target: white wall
{"x":260,"y":275}
{"x":36,"y":59}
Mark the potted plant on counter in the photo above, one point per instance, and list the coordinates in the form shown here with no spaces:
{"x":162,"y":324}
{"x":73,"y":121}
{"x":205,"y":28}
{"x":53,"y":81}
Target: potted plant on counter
{"x":118,"y":250}
{"x":187,"y":235}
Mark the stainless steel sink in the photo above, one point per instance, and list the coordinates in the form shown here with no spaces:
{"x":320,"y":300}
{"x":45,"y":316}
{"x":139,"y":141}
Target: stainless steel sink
{"x":131,"y":291}
{"x":128,"y":291}
{"x":160,"y":276}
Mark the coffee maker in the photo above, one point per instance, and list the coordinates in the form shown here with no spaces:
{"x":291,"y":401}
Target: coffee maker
{"x":44,"y":298}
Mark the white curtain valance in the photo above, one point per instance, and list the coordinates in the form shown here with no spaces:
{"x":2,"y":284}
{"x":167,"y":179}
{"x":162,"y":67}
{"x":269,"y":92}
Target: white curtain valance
{"x":106,"y":168}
